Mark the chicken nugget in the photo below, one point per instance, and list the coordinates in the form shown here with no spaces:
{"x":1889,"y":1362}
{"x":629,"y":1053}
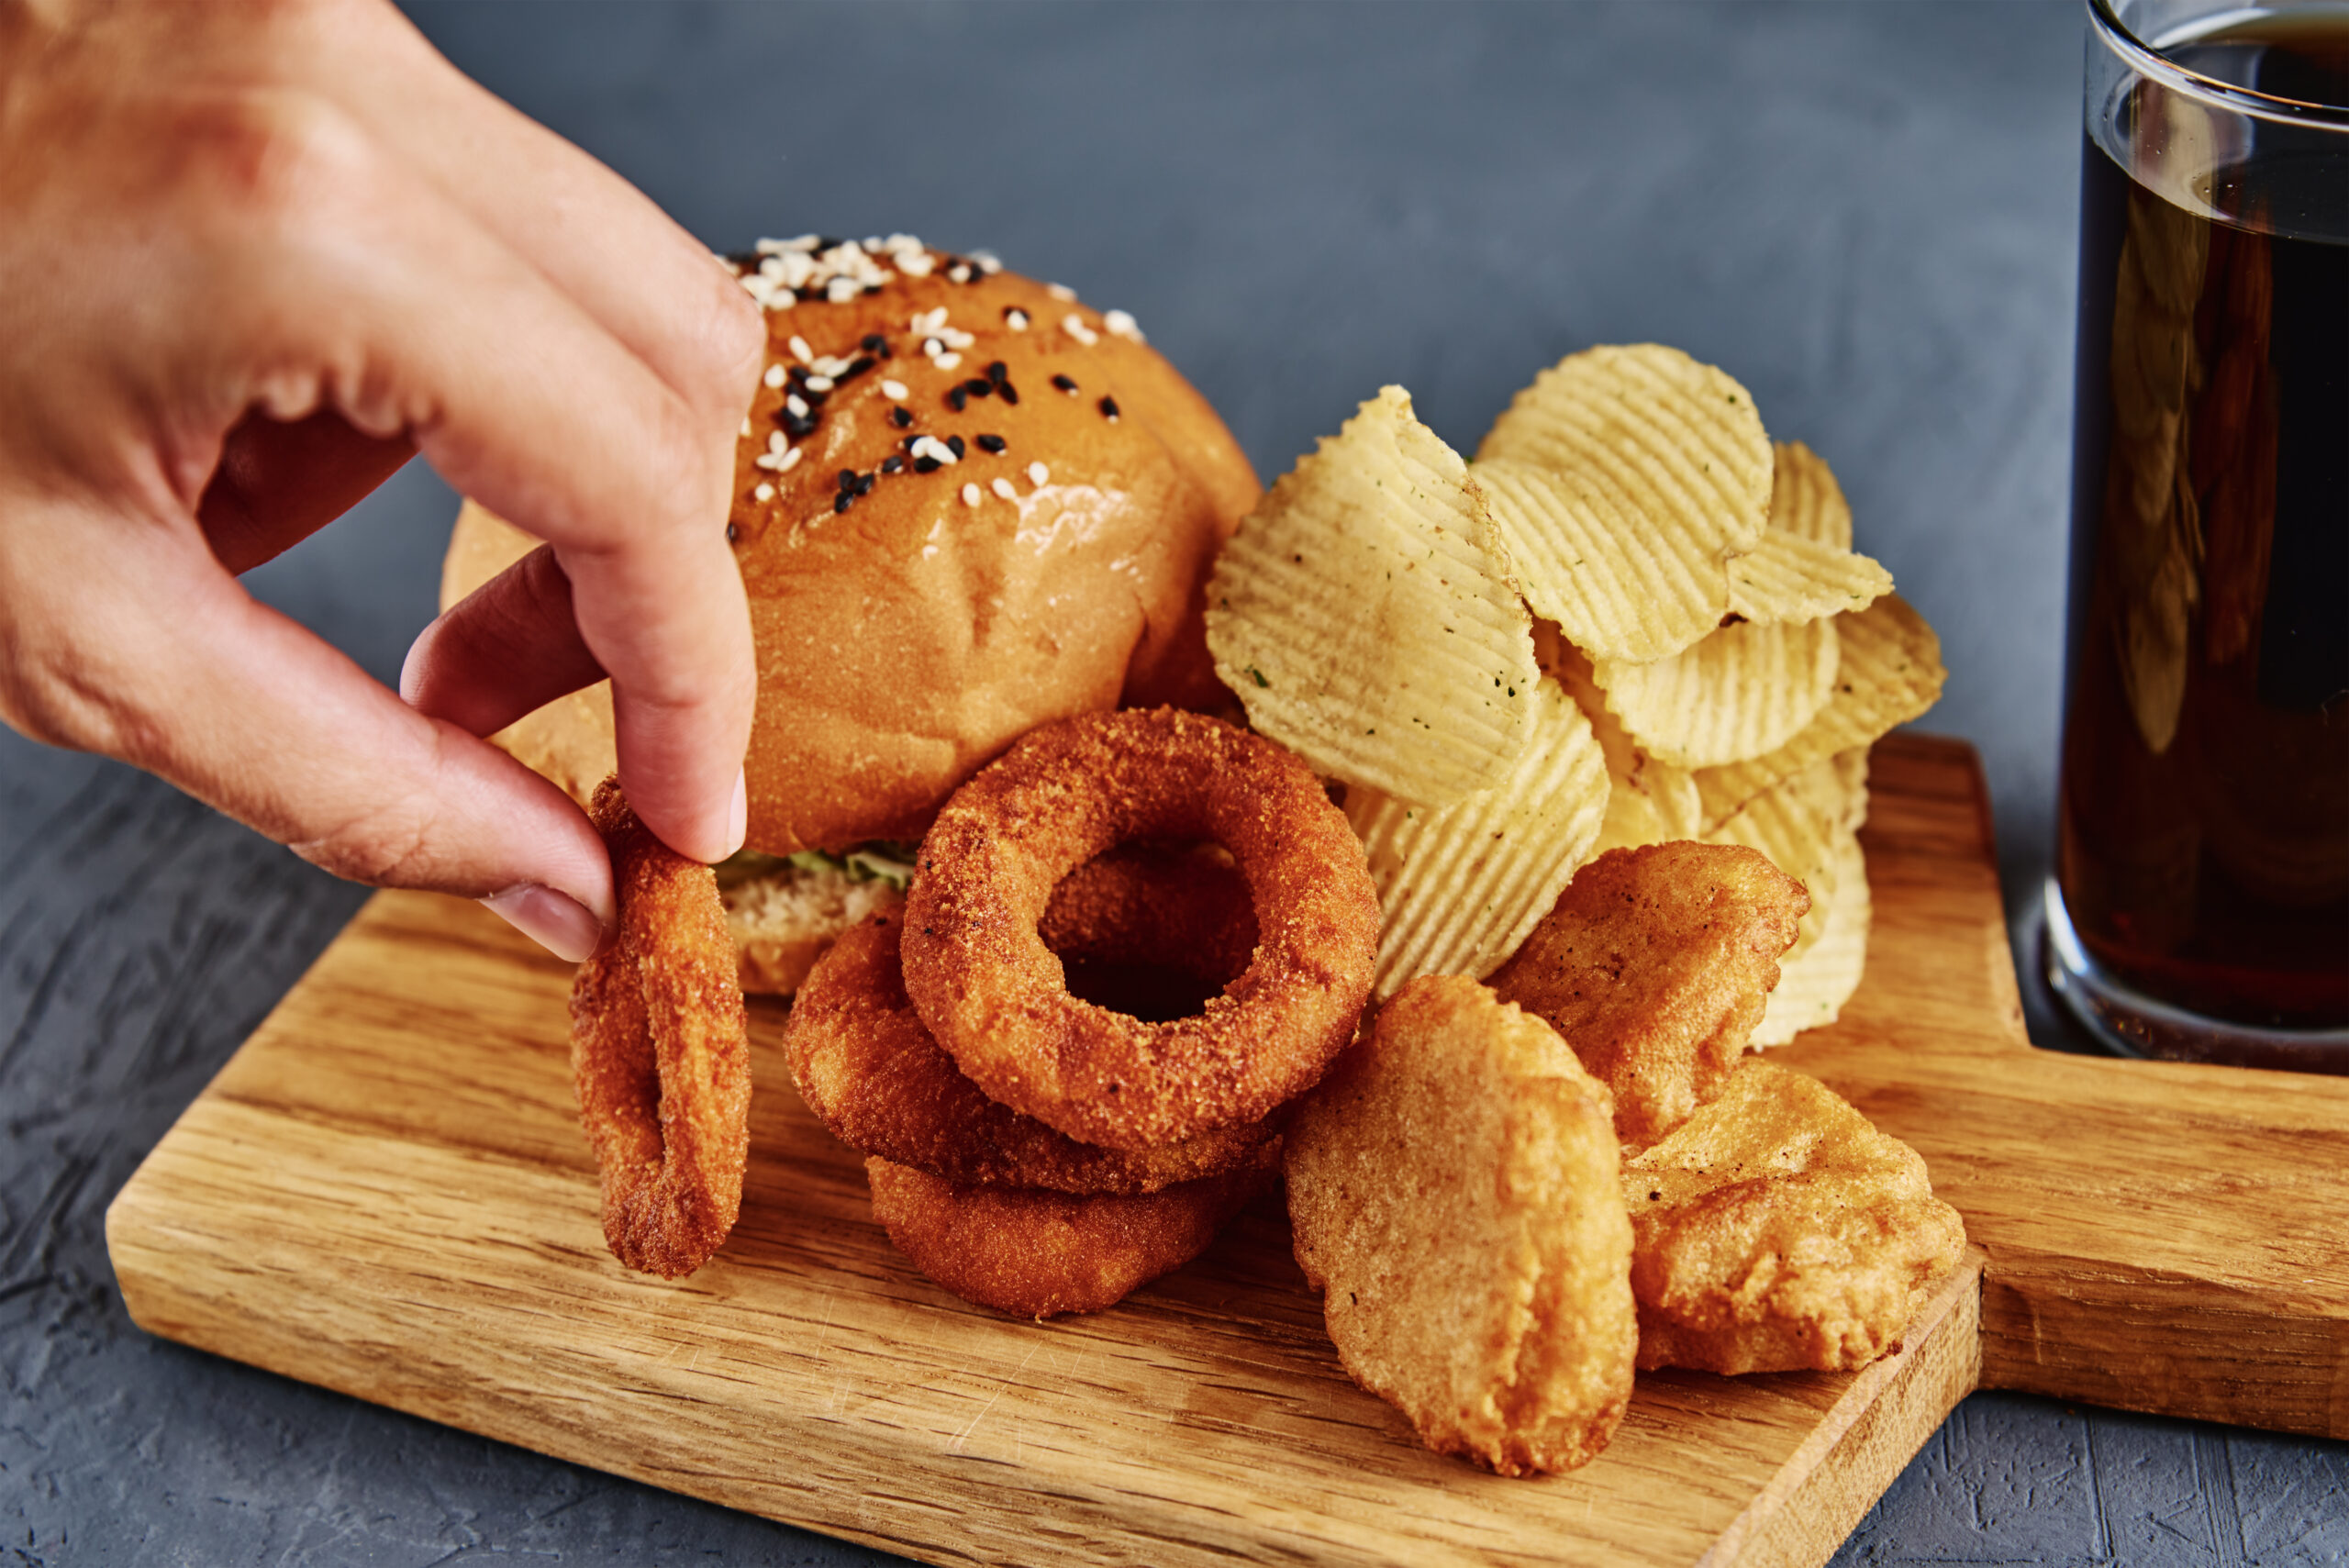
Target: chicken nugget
{"x":1655,"y":965}
{"x":1453,"y":1186}
{"x":1778,"y":1229}
{"x":1038,"y":1254}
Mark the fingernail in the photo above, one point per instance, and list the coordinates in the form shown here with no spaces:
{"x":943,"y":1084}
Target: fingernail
{"x":737,"y":815}
{"x":556,"y":921}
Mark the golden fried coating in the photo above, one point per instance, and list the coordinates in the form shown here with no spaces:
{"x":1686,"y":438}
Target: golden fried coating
{"x":869,"y":1068}
{"x":1453,"y":1186}
{"x":1038,"y":1255}
{"x":1778,"y":1229}
{"x":996,"y":998}
{"x":1656,"y":966}
{"x":660,"y":1055}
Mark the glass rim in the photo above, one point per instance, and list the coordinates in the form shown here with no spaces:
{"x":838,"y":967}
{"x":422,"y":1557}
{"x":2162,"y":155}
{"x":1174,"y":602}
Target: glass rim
{"x":2146,"y":61}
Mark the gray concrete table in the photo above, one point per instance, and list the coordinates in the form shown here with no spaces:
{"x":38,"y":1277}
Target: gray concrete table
{"x":1865,"y":213}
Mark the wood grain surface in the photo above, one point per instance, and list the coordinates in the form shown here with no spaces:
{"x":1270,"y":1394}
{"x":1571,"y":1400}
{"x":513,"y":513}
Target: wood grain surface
{"x":386,"y":1193}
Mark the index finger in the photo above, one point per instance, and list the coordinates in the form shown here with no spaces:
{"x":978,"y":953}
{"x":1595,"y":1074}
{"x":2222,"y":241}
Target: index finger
{"x":420,"y":319}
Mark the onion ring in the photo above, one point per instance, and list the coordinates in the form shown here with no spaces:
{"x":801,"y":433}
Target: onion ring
{"x":660,"y":1055}
{"x":873,"y":1073}
{"x":1038,"y":1255}
{"x":993,"y":996}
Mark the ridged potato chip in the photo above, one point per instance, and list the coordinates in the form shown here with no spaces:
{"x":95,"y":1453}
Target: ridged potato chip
{"x":1796,"y":822}
{"x":1647,"y":802}
{"x":1461,"y":885}
{"x":1622,"y":480}
{"x":1366,"y":616}
{"x":1889,"y":671}
{"x":1804,"y":568}
{"x":1740,"y":692}
{"x":1813,"y":988}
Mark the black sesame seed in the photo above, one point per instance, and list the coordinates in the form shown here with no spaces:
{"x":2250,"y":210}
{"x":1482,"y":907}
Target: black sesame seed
{"x":857,"y":367}
{"x":1064,"y":384}
{"x":874,"y":342}
{"x":979,"y":388}
{"x":814,"y":399}
{"x":743,"y":261}
{"x":841,"y":502}
{"x":1008,"y":391}
{"x":798,"y":425}
{"x":996,"y":371}
{"x":990,"y":443}
{"x":891,"y":464}
{"x":960,"y":398}
{"x":910,"y":442}
{"x":827,"y":242}
{"x":798,"y":374}
{"x":902,"y":414}
{"x":926,"y":465}
{"x":1109,"y":408}
{"x":733,"y":534}
{"x":847,"y":479}
{"x":954,"y":445}
{"x":864,"y":484}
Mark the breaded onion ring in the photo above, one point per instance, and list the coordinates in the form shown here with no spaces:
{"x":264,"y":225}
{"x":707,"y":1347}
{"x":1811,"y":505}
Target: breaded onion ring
{"x":994,"y":995}
{"x":872,"y":1073}
{"x":1038,"y":1254}
{"x":660,"y":1055}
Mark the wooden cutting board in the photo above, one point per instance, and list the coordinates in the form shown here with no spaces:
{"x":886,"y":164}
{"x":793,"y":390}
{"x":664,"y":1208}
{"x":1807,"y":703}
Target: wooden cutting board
{"x":385,"y":1191}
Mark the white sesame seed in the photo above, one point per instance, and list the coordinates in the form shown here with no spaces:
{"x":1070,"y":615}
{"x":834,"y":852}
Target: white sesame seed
{"x":916,"y":264}
{"x":763,"y":493}
{"x":799,"y":349}
{"x":796,"y":403}
{"x":1123,"y":325}
{"x":932,"y":347}
{"x":987,"y":262}
{"x":948,"y":362}
{"x":773,"y":461}
{"x":774,"y":378}
{"x":931,"y":447}
{"x":790,"y":460}
{"x":840,"y":291}
{"x":1002,"y":487}
{"x":1073,"y":325}
{"x":1037,"y":473}
{"x":775,"y":443}
{"x":746,"y":427}
{"x":1060,"y":291}
{"x":959,"y":274}
{"x":1016,"y":318}
{"x":895,"y":391}
{"x":819,"y":384}
{"x":970,"y":494}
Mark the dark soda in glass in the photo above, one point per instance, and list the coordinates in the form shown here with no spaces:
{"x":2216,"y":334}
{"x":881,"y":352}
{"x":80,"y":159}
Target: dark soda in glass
{"x":2203,"y":826}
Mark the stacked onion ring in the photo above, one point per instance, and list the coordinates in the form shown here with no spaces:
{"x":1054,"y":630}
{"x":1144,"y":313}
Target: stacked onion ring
{"x":1039,"y":1153}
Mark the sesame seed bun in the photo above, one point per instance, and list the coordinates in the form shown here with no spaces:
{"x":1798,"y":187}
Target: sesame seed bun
{"x":908,"y":634}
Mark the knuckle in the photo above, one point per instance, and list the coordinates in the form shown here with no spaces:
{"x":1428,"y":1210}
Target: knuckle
{"x":387,"y":845}
{"x":49,"y":692}
{"x":271,"y":161}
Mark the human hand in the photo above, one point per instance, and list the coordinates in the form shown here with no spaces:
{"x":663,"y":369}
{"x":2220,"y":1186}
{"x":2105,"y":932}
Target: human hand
{"x":252,"y":258}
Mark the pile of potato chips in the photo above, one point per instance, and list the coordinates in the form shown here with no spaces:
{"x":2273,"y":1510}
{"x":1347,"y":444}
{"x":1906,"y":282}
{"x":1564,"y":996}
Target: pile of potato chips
{"x":1632,"y":619}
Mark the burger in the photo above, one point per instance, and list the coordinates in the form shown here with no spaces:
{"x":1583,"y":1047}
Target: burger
{"x":966,"y":504}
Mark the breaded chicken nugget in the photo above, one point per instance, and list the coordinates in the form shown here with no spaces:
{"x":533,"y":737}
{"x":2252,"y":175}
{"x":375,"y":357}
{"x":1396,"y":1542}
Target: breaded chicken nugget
{"x":1037,"y":1254}
{"x":1453,"y":1185}
{"x":1655,"y":965}
{"x":1778,"y":1229}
